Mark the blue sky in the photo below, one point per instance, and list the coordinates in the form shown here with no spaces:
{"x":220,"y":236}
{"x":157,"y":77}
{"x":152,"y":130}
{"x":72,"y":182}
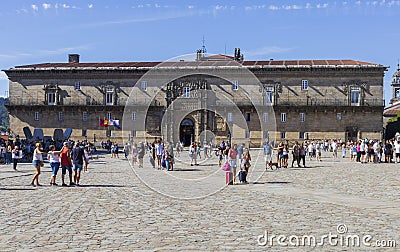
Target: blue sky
{"x":46,"y":31}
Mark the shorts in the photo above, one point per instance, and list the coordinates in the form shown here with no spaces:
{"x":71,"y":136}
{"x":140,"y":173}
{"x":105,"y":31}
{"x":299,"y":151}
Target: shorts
{"x":397,"y":155}
{"x":362,"y":152}
{"x":36,"y":163}
{"x":159,"y":157}
{"x":78,"y":167}
{"x":284,"y":156}
{"x":232,"y":162}
{"x":64,"y":169}
{"x":54,"y":167}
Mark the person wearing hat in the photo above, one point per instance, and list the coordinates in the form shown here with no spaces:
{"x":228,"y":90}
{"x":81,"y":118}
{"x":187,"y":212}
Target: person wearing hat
{"x":16,"y":155}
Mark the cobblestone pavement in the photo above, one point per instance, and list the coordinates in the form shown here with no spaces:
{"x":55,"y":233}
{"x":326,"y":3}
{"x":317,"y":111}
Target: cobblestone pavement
{"x":114,"y":210}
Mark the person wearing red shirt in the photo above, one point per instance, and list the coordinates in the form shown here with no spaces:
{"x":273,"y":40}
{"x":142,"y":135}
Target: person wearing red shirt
{"x":66,"y":164}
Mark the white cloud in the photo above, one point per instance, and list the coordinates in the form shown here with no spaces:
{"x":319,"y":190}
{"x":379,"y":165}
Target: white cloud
{"x":322,"y":6}
{"x":358,"y":3}
{"x":66,"y":6}
{"x":90,"y":6}
{"x":254,"y":7}
{"x":190,"y":7}
{"x":138,"y":20}
{"x":273,"y":7}
{"x":34,"y":7}
{"x":42,"y":52}
{"x":46,"y":6}
{"x":266,"y":50}
{"x":157,"y":5}
{"x":308,"y":6}
{"x":220,"y":7}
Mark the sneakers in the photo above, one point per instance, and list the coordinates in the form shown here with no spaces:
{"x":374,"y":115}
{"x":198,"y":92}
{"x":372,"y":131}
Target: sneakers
{"x":64,"y":184}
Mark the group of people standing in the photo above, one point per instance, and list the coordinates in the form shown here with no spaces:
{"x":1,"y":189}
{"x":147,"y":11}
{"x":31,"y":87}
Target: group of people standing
{"x":237,"y":156}
{"x":73,"y":160}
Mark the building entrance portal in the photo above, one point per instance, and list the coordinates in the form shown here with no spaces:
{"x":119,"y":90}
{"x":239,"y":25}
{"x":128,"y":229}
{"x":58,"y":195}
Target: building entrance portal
{"x":351,"y":133}
{"x":186,"y":132}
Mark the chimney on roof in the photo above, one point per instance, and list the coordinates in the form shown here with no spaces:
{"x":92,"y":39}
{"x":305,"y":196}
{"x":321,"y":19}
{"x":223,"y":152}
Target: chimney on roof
{"x":73,"y":58}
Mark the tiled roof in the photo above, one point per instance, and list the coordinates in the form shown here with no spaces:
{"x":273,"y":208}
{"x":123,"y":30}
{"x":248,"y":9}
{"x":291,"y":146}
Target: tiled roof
{"x":265,"y":63}
{"x":392,"y":110}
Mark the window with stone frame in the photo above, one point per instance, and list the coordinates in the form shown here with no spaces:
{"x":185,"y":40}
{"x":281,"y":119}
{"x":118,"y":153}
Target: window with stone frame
{"x":355,"y":96}
{"x":269,"y":95}
{"x":110,"y":95}
{"x":51,"y":94}
{"x":84,"y":116}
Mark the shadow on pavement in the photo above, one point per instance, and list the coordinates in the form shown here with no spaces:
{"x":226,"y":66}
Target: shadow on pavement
{"x":191,"y":169}
{"x":109,"y":186}
{"x":17,"y":189}
{"x":270,"y":182}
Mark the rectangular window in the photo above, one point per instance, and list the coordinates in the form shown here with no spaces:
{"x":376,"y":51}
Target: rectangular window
{"x":283,"y":117}
{"x":283,"y":134}
{"x":84,"y":116}
{"x":133,"y":133}
{"x":144,"y":85}
{"x":355,"y":96}
{"x":302,"y":117}
{"x":247,"y":134}
{"x":77,"y":85}
{"x":265,"y":117}
{"x":36,"y":116}
{"x":60,"y":116}
{"x":301,"y":135}
{"x":235,"y":85}
{"x":133,"y":116}
{"x":304,"y":85}
{"x":109,"y":115}
{"x":186,"y":92}
{"x":247,"y":116}
{"x":109,"y":98}
{"x":339,"y":116}
{"x":269,"y":95}
{"x":229,"y":117}
{"x":266,"y":135}
{"x":84,"y":132}
{"x":51,"y":98}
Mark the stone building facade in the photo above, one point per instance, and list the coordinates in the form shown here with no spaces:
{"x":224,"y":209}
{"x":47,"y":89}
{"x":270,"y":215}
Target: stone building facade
{"x":311,"y":99}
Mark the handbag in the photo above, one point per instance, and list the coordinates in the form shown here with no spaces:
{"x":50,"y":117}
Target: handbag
{"x":226,"y":167}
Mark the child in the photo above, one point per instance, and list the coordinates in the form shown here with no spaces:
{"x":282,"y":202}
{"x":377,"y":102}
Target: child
{"x":243,"y":174}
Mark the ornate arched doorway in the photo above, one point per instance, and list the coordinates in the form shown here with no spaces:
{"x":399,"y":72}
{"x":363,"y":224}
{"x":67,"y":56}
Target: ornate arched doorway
{"x":186,"y":131}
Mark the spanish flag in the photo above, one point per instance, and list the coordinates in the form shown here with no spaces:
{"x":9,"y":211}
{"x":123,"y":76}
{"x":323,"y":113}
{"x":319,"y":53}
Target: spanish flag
{"x":103,"y":122}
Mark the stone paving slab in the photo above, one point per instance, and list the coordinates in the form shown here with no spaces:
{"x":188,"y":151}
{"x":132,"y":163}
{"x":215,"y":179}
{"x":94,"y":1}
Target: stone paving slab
{"x":113,"y":210}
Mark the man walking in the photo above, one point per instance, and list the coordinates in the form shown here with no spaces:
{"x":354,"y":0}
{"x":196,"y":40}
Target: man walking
{"x":77,"y":160}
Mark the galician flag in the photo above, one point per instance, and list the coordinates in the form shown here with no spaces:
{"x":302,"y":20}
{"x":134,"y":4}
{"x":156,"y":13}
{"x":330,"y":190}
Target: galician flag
{"x":115,"y":123}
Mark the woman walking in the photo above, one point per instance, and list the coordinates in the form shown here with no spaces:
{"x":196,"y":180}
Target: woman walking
{"x":37,"y":163}
{"x":233,"y":160}
{"x":54,"y":158}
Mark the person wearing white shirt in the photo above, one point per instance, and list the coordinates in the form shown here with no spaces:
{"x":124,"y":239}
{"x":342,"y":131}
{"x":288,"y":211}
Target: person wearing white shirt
{"x":54,"y":158}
